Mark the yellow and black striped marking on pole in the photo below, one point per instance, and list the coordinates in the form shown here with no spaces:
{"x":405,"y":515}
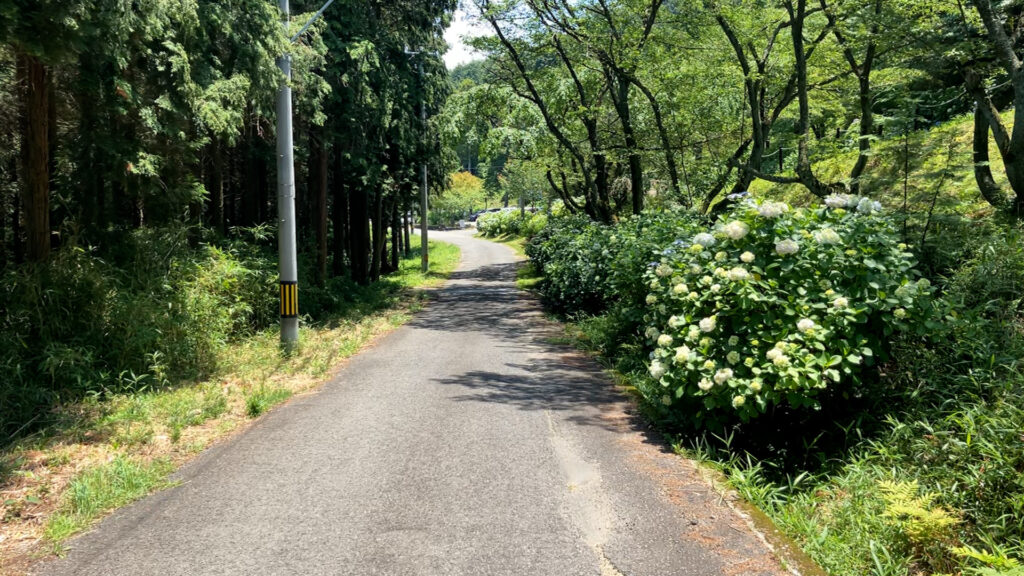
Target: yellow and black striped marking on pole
{"x":289,"y":299}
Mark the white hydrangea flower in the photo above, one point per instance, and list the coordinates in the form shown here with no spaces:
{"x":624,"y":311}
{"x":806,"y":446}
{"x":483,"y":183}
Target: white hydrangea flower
{"x":664,"y":340}
{"x":653,"y":285}
{"x":663,"y":270}
{"x":747,"y":257}
{"x":652,"y":299}
{"x":709,"y":365}
{"x":773,"y":209}
{"x":787,"y":246}
{"x":716,"y":288}
{"x":828,"y":236}
{"x":781,"y":361}
{"x":723,"y":375}
{"x":666,"y":400}
{"x":837,"y":200}
{"x":705,"y":342}
{"x":806,"y":325}
{"x":738,"y":401}
{"x":680,"y":288}
{"x":899,"y":313}
{"x":868,"y":206}
{"x":695,"y":269}
{"x":734,"y":340}
{"x":705,"y":384}
{"x":682,"y":354}
{"x":739,"y":274}
{"x":694,"y":333}
{"x":693,"y":296}
{"x":773,"y":354}
{"x":707,"y":280}
{"x":708,"y":324}
{"x":721,"y":256}
{"x":841,"y":302}
{"x":676,"y":321}
{"x":732,"y":357}
{"x":657,"y":370}
{"x":736,"y":229}
{"x":756,"y":384}
{"x":704,"y":239}
{"x":652,"y":333}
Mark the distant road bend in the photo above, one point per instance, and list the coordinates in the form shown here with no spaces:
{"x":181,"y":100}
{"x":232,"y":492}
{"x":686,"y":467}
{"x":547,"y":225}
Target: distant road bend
{"x":463,"y":443}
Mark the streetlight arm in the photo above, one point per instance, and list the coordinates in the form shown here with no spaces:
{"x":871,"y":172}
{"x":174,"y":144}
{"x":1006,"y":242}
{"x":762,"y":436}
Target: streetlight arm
{"x":311,"y":20}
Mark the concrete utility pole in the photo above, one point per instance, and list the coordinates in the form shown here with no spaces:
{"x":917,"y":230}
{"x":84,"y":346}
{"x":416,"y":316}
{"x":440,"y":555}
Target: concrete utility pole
{"x":425,"y":264}
{"x":287,"y":257}
{"x":288,"y":265}
{"x":425,"y":256}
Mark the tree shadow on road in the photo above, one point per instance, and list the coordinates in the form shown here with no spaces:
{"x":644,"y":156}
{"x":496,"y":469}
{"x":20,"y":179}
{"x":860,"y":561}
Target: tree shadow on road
{"x":565,"y":383}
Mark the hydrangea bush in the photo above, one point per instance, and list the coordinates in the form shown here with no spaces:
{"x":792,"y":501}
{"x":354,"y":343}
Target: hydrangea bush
{"x":510,"y":223}
{"x":774,"y":305}
{"x":591,"y":267}
{"x":573,"y":254}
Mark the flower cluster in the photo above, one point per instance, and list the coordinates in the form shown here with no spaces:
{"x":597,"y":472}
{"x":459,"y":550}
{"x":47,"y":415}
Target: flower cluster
{"x":776,"y":304}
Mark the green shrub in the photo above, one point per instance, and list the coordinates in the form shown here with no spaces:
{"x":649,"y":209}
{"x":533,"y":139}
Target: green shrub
{"x":157,"y":309}
{"x":264,"y":398}
{"x":511,"y":222}
{"x":776,"y":305}
{"x":505,"y":222}
{"x":589,"y":266}
{"x":533,"y":224}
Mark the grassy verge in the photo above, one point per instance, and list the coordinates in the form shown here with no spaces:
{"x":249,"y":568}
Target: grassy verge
{"x":113,"y":449}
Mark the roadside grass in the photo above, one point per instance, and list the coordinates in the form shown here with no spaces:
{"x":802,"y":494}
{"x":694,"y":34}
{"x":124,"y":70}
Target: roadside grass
{"x":110,"y":450}
{"x":528,"y":277}
{"x":105,"y":487}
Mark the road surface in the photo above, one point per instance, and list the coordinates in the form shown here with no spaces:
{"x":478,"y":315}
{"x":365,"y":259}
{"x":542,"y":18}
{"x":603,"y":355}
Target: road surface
{"x":465,"y":442}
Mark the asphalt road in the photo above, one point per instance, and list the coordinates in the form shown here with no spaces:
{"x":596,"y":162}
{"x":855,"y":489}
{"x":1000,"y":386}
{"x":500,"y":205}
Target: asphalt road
{"x":465,"y":442}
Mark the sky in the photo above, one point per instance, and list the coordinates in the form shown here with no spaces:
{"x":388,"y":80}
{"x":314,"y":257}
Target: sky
{"x":458,"y":52}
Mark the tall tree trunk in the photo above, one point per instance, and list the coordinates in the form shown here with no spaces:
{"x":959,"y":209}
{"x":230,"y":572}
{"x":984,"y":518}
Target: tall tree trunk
{"x":34,"y":80}
{"x":319,"y":166}
{"x":12,"y":172}
{"x":217,"y":186}
{"x":867,"y":126}
{"x":407,"y":228}
{"x":16,"y":227}
{"x":339,"y":212}
{"x":666,"y":142}
{"x":377,"y":242}
{"x":360,"y":234}
{"x":990,"y":190}
{"x":396,"y":235}
{"x":803,"y":160}
{"x":263,"y":208}
{"x":621,"y":86}
{"x":250,"y":197}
